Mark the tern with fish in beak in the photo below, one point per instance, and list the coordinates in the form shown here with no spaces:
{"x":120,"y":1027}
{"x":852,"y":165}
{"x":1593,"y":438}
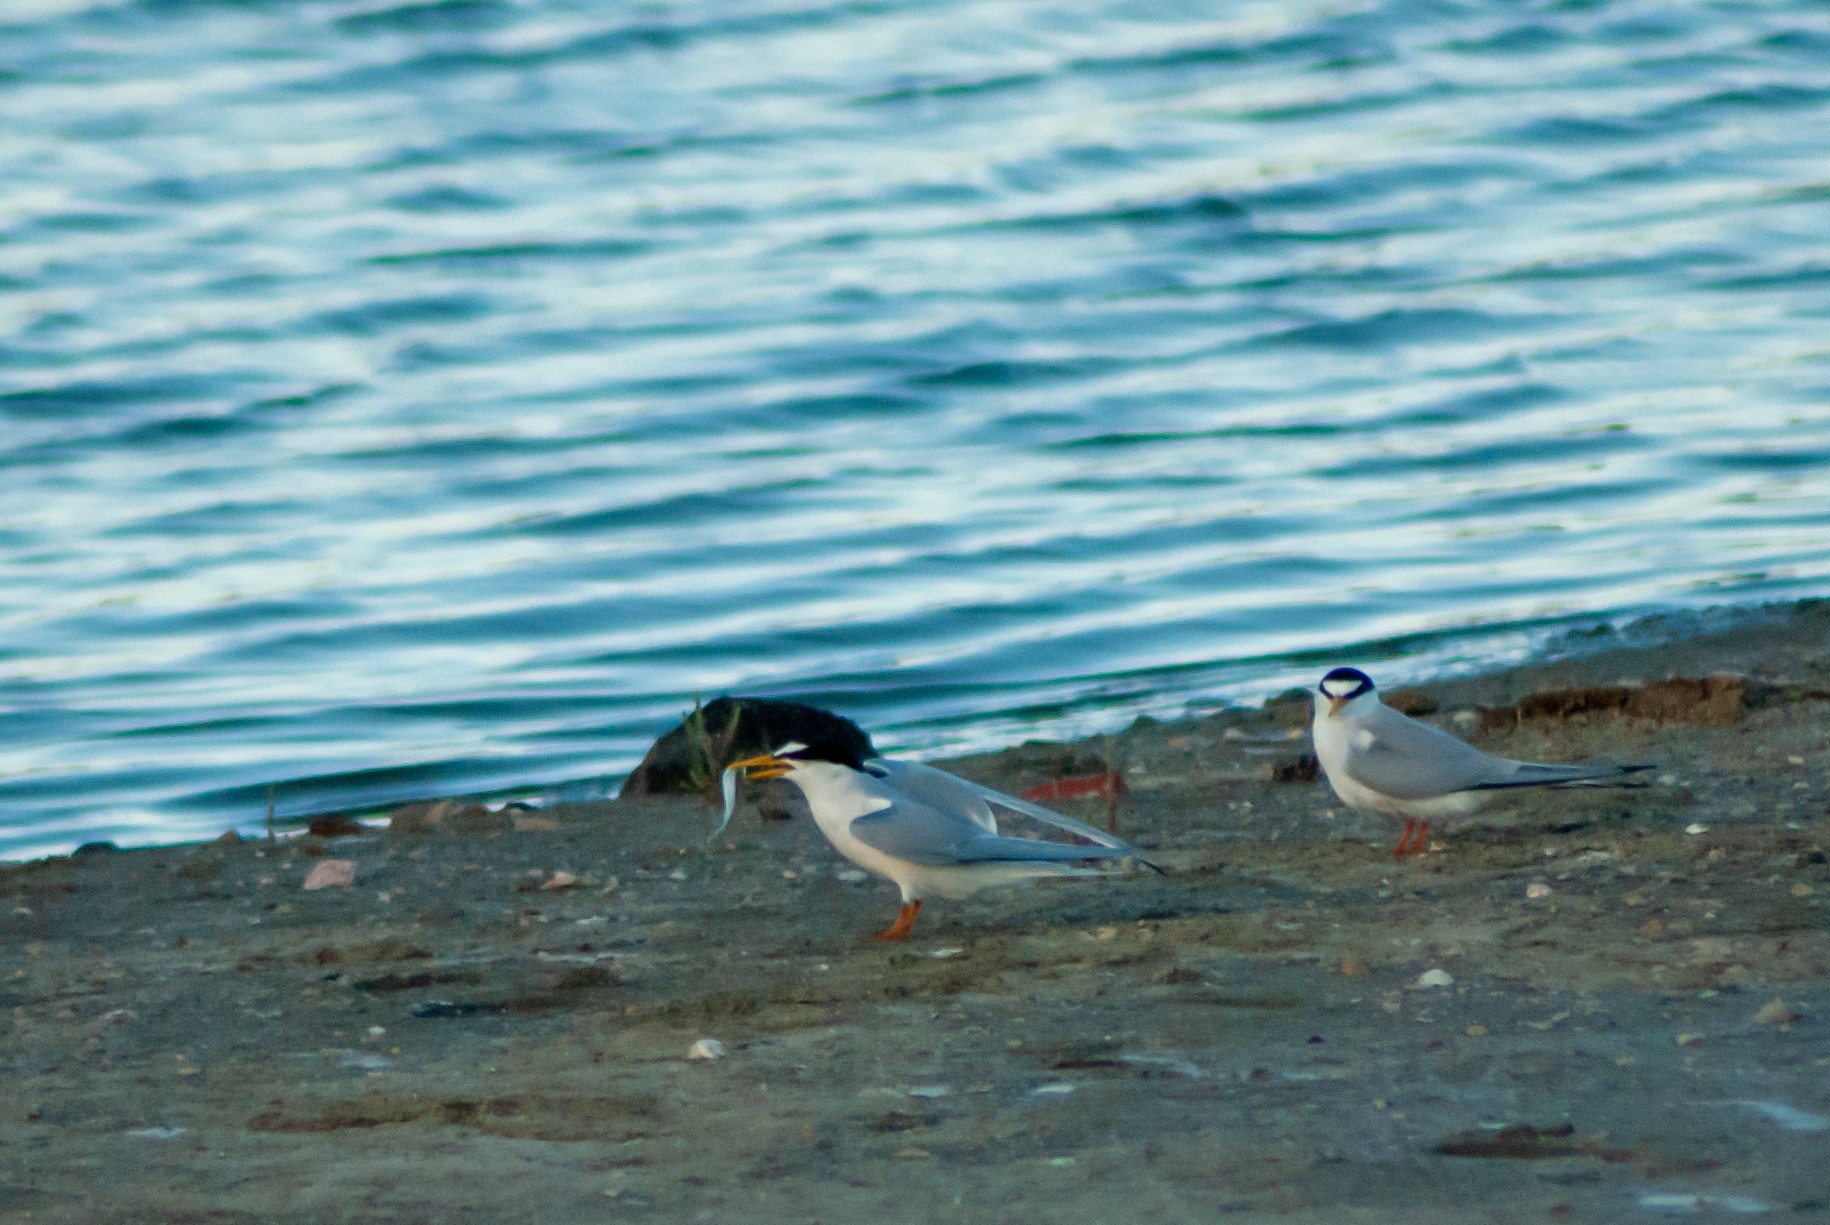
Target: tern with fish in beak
{"x":928,"y":831}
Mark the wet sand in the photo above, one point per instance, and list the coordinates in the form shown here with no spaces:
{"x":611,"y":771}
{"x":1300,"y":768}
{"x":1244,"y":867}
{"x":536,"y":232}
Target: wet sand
{"x":1607,"y":1005}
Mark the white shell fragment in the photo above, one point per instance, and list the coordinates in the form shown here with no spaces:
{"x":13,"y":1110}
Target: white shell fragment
{"x":1788,"y":1118}
{"x":1537,"y":891}
{"x":1433,"y":978}
{"x":706,"y":1049}
{"x":1687,"y":1202}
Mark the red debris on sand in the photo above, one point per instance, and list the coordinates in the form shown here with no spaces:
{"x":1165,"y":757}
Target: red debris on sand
{"x":1110,"y":784}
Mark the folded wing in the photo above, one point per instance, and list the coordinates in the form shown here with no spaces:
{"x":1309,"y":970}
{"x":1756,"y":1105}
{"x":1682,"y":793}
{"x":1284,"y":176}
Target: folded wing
{"x":1408,"y":760}
{"x":918,"y":833}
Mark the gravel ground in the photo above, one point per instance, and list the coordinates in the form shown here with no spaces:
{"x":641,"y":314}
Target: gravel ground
{"x":1605,"y":1005}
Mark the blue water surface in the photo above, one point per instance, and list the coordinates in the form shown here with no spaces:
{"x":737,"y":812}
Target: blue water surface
{"x":401,"y":399}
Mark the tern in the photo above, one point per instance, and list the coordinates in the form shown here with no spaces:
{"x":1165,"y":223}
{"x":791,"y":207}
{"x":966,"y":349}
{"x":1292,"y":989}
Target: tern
{"x":1380,"y":760}
{"x":928,"y":831}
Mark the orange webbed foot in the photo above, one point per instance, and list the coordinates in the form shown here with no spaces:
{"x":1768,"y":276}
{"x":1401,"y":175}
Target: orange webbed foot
{"x":904,"y":924}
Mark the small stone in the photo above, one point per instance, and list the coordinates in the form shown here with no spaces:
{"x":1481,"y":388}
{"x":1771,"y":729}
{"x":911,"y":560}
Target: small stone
{"x":677,"y":874}
{"x":1777,"y":1012}
{"x":1695,"y":828}
{"x":1476,"y":1030}
{"x":1536,"y":891}
{"x":1688,"y":1039}
{"x":332,"y":874}
{"x":526,"y":823}
{"x":852,"y":876}
{"x":929,"y":1091}
{"x":1433,"y":978}
{"x":706,"y":1050}
{"x":944,"y":954}
{"x":560,"y":880}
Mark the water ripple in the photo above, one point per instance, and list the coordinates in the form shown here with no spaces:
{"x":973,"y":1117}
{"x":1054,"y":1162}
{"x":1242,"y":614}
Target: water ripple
{"x":403,"y":397}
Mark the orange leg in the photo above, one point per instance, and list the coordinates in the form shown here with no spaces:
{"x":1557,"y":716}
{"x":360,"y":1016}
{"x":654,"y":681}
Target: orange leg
{"x":1403,"y":847}
{"x":904,"y":924}
{"x":1414,"y":839}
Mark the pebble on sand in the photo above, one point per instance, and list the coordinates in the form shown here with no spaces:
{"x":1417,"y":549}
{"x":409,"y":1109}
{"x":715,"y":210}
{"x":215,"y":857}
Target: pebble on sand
{"x":706,"y":1050}
{"x":332,"y":874}
{"x":1537,"y":891}
{"x":1433,"y":978}
{"x":1777,"y":1012}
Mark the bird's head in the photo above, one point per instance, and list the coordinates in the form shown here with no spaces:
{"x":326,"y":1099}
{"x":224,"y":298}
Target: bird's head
{"x":1342,"y":686}
{"x":794,"y":755}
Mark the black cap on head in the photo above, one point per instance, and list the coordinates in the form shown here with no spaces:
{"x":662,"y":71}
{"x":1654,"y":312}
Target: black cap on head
{"x":823,"y":749}
{"x":1346,"y":683}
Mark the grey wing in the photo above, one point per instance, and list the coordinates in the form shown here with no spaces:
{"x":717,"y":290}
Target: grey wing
{"x":1408,"y":760}
{"x":919,"y":833}
{"x":997,"y":799}
{"x":936,"y":788}
{"x":952,"y":793}
{"x":916,"y":832}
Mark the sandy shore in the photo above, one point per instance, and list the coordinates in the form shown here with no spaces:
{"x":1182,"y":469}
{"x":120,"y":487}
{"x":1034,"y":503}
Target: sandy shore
{"x":1608,"y":1006}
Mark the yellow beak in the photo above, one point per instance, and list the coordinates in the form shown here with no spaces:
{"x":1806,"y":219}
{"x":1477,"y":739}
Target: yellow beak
{"x":1334,"y":706}
{"x":765,"y":766}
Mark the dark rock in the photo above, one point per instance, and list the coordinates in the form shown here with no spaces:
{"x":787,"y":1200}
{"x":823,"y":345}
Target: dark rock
{"x":476,"y":819}
{"x":690,"y":758}
{"x":453,"y":816}
{"x":1290,"y":708}
{"x":1304,"y":769}
{"x":1413,"y":702}
{"x":1713,"y":701}
{"x":334,"y":825}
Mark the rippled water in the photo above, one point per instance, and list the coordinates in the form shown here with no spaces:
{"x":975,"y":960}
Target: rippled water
{"x":399,"y":399}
